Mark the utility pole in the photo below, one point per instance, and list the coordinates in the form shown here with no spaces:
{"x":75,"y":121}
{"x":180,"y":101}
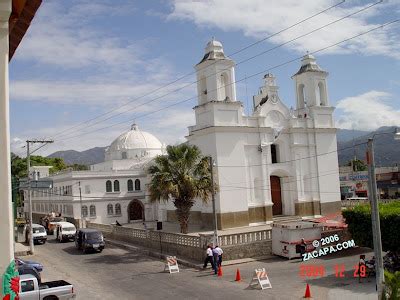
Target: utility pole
{"x":213,"y":201}
{"x":80,"y":199}
{"x":376,"y":227}
{"x":28,"y":164}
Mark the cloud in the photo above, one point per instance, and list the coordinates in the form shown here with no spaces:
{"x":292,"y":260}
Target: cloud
{"x":257,"y":20}
{"x":368,"y":111}
{"x":93,"y":92}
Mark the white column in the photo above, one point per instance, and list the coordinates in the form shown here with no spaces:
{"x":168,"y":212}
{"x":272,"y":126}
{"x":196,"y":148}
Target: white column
{"x":6,"y":218}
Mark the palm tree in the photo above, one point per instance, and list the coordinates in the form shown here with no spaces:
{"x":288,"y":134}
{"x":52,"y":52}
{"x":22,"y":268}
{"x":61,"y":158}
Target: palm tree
{"x":182,"y":175}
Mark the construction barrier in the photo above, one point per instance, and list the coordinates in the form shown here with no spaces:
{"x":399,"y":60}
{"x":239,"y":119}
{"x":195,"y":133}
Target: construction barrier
{"x":172,"y":264}
{"x":260,"y":278}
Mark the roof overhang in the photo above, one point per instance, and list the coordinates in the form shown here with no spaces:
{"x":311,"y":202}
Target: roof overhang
{"x":21,"y":16}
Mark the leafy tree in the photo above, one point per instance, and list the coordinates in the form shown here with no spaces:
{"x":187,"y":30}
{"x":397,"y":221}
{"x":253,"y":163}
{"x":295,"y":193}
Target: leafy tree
{"x":181,"y":176}
{"x":392,"y":281}
{"x":358,"y":165}
{"x":79,"y":167}
{"x":18,"y":164}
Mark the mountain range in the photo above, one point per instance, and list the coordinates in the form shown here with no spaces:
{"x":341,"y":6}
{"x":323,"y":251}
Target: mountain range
{"x":351,"y":143}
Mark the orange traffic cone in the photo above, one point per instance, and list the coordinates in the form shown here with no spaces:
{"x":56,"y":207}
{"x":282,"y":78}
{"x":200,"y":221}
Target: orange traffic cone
{"x":238,"y":278}
{"x":220,"y":271}
{"x":308,"y":292}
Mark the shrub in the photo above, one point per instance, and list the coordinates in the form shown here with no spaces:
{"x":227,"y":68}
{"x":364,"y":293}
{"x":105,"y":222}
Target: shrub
{"x":360,"y":226}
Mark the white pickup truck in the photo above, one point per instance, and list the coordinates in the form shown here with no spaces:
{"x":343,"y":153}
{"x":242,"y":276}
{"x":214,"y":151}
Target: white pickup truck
{"x":52,"y":290}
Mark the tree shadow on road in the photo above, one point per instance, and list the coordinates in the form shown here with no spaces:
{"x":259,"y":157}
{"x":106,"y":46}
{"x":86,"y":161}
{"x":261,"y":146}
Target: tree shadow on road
{"x":113,"y":259}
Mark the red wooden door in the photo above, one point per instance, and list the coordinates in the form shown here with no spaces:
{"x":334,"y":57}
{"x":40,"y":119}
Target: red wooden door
{"x":135,"y":211}
{"x":276,"y":195}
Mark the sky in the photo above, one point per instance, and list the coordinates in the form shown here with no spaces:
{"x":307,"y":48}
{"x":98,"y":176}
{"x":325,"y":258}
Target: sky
{"x":86,"y":70}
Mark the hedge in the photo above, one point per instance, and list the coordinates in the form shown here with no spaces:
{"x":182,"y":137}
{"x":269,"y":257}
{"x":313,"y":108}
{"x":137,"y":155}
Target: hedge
{"x":359,"y":225}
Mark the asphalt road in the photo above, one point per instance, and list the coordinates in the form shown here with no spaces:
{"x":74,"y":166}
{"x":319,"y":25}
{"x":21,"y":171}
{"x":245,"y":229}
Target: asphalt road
{"x":119,"y":274}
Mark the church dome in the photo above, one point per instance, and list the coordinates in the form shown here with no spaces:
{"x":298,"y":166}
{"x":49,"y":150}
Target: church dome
{"x":214,"y":45}
{"x":134,"y":144}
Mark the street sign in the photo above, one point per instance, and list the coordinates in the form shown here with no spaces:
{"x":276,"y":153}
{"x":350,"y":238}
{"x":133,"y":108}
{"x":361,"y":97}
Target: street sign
{"x":172,"y":264}
{"x":261,"y":279}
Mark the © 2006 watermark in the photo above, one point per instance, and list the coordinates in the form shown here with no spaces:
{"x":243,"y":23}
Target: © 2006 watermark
{"x":328,"y":249}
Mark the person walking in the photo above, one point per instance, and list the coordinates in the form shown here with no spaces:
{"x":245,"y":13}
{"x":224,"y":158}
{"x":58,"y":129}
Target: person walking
{"x":220,"y":252}
{"x":303,"y":248}
{"x":209,"y":258}
{"x":215,"y":258}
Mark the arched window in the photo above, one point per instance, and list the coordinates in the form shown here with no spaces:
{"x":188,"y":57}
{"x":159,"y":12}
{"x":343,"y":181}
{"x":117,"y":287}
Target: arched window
{"x":110,"y":209}
{"x":202,"y":86}
{"x":92,"y":210}
{"x":116,"y":186}
{"x":224,"y":88}
{"x":322,"y":94}
{"x":130,"y":185}
{"x":274,"y":153}
{"x":84,"y":211}
{"x":108,"y":186}
{"x":137,"y":185}
{"x":301,"y":96}
{"x":118,"y":209}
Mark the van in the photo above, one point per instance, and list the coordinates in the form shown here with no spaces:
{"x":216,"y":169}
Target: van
{"x":89,"y":239}
{"x":39,"y":234}
{"x":65,"y":231}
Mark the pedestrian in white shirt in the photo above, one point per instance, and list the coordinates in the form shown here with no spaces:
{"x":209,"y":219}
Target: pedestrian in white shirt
{"x":209,"y":258}
{"x":220,"y":252}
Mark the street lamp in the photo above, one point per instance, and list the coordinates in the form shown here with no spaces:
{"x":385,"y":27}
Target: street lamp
{"x":376,"y":227}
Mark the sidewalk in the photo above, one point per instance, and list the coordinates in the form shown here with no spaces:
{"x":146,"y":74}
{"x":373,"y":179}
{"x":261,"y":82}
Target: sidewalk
{"x":20,"y":249}
{"x":196,"y":230}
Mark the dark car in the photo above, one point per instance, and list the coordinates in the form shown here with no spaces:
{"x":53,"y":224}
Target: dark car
{"x":20,"y":262}
{"x":28,"y":269}
{"x":89,"y":240}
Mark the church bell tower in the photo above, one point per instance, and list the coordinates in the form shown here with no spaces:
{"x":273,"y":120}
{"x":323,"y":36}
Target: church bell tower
{"x":215,"y":75}
{"x":311,"y":93}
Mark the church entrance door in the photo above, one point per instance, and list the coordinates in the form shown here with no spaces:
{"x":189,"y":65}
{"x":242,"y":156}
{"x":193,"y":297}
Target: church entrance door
{"x":135,"y":211}
{"x":276,"y":195}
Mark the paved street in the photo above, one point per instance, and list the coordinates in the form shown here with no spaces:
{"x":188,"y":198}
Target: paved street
{"x":118,"y":274}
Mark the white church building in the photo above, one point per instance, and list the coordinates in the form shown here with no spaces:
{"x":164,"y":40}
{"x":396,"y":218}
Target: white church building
{"x":277,"y":161}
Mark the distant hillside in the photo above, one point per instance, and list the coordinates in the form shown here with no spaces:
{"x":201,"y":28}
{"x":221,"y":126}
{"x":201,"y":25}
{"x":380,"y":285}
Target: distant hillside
{"x":87,"y":157}
{"x":344,"y":135}
{"x":386,"y":148}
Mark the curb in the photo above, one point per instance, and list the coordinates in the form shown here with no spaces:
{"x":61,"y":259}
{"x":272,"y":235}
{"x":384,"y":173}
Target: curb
{"x":22,"y":253}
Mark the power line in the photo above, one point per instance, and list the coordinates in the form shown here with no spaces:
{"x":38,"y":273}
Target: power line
{"x":253,"y":75}
{"x":239,"y":63}
{"x":291,"y":160}
{"x":191,"y":73}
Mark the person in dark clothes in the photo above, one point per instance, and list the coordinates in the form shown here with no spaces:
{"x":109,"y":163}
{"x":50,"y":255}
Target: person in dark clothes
{"x":117,"y":223}
{"x":303,"y":248}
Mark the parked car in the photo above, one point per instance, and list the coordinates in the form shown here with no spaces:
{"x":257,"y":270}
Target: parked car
{"x":31,"y":289}
{"x":65,"y":231}
{"x":39,"y":234}
{"x":29,"y":270}
{"x":21,"y":262}
{"x":89,"y":239}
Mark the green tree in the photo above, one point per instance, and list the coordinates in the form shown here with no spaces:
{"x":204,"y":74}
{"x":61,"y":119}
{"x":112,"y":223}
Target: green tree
{"x":18,"y":164}
{"x":182,"y":175}
{"x":358,"y":165}
{"x":392,"y":281}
